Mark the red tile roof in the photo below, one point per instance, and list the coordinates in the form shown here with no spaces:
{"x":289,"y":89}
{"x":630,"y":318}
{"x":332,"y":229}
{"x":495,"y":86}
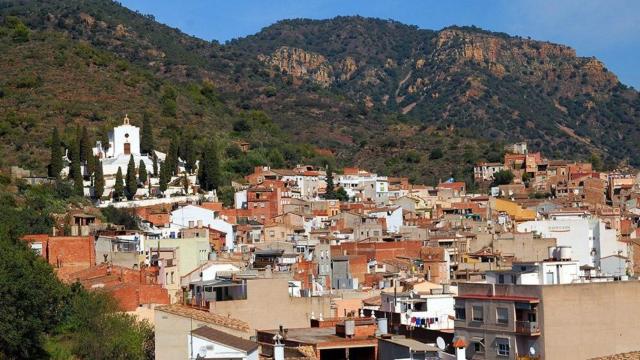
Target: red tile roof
{"x":222,"y":337}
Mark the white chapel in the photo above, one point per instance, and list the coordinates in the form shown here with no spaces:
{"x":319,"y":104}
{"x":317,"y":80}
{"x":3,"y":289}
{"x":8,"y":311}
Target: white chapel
{"x":124,"y":142}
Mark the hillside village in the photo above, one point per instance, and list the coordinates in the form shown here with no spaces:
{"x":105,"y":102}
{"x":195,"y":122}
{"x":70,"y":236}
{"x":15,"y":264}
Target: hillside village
{"x":315,"y":263}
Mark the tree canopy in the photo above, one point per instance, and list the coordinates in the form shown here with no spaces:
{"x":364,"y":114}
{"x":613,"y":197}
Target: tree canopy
{"x":502,"y":177}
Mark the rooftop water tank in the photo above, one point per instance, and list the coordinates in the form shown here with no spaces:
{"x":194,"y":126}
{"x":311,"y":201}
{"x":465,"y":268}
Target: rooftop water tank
{"x":349,"y":328}
{"x":565,"y":252}
{"x":382,"y":325}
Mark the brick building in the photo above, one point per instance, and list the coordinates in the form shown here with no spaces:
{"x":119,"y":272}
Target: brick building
{"x":130,"y":287}
{"x":67,"y":254}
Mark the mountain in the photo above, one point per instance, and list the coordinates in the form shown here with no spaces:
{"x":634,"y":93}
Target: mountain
{"x":375,"y":93}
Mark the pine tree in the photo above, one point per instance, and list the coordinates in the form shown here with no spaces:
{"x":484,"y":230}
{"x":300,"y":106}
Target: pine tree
{"x":155,"y":165}
{"x":146,"y":138}
{"x":55,"y":166}
{"x":85,"y":145}
{"x":142,"y":172}
{"x":118,"y":189}
{"x":209,"y":173}
{"x":330,"y":193}
{"x":98,"y":182}
{"x":131,"y":180}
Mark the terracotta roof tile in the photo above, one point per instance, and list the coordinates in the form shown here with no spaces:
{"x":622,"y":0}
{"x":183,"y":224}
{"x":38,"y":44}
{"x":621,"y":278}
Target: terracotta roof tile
{"x":225,"y":339}
{"x":205,"y":316}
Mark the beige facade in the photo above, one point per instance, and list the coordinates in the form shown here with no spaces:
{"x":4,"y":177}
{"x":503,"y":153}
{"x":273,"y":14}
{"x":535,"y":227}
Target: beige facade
{"x":268,"y":305}
{"x":582,"y":321}
{"x":174,"y":324}
{"x":518,"y":246}
{"x":568,"y":321}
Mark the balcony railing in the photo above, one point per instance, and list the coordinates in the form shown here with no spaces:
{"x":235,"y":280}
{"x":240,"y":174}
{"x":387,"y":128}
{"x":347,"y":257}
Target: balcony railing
{"x":527,"y":328}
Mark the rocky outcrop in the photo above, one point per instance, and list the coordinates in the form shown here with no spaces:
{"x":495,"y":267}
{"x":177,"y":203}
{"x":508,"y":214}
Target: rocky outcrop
{"x":348,"y":67}
{"x":300,"y":64}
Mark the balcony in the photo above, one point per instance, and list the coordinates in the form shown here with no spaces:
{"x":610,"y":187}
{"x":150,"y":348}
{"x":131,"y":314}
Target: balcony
{"x":530,"y":328}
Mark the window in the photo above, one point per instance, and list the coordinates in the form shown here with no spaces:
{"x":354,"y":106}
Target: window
{"x":478,"y":313}
{"x":461,"y":313}
{"x":502,"y":315}
{"x":503,"y":347}
{"x":478,"y":347}
{"x":501,"y":279}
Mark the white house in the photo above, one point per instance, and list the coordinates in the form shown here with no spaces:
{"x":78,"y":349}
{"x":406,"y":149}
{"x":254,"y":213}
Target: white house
{"x":537,"y":273}
{"x":615,"y":265}
{"x":589,"y":238}
{"x":192,"y":216}
{"x":392,"y":216}
{"x":208,"y":343}
{"x":430,"y":309}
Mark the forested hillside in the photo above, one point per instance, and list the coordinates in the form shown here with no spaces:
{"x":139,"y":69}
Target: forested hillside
{"x":379,"y":94}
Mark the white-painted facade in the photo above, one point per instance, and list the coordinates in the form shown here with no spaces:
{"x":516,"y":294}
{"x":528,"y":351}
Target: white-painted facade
{"x":392,"y":216}
{"x":191,"y":215}
{"x":537,"y":273}
{"x":589,"y":238}
{"x":436,"y":309}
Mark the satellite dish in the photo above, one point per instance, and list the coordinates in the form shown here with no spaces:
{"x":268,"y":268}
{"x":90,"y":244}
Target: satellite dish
{"x":532,"y":351}
{"x":441,"y":344}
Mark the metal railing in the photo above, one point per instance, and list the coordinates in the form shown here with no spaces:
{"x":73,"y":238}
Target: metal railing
{"x":527,"y":327}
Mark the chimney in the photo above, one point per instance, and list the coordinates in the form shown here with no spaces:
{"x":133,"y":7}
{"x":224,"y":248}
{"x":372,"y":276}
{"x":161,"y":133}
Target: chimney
{"x":278,"y":346}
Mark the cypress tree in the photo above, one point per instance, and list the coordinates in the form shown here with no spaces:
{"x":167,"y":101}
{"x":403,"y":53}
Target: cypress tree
{"x":55,"y":165}
{"x":104,"y":140}
{"x":164,"y":178}
{"x":155,"y":165}
{"x":85,"y":145}
{"x":92,"y":162}
{"x":78,"y":185}
{"x":171,"y":161}
{"x":118,"y":189}
{"x":98,"y":182}
{"x":132,"y":182}
{"x":142,"y":172}
{"x":209,"y":173}
{"x":330,"y":193}
{"x":74,"y":158}
{"x":185,"y":183}
{"x":188,"y":154}
{"x":146,"y":138}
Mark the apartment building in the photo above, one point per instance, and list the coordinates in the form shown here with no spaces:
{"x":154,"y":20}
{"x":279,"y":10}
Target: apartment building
{"x":573,"y":318}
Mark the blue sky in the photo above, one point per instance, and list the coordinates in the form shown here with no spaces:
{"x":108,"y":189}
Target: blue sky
{"x":607,"y":29}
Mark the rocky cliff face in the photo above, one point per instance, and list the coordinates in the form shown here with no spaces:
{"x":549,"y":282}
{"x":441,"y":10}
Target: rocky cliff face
{"x":492,"y":84}
{"x":450,"y":53}
{"x":300,"y":64}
